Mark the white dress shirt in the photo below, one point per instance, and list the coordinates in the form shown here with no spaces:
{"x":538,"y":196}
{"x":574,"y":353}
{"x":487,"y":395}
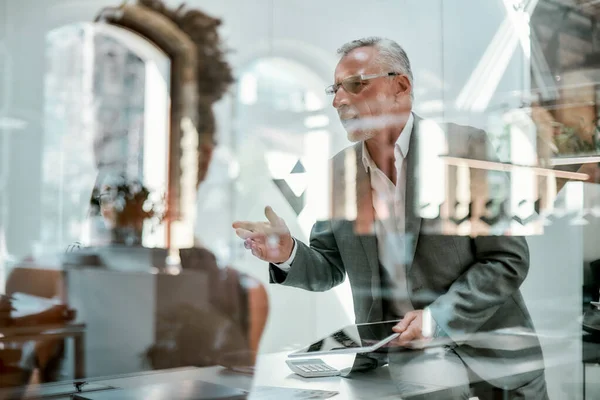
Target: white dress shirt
{"x":389,"y":205}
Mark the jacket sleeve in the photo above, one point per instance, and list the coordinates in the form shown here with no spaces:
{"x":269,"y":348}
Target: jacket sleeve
{"x":500,"y":267}
{"x":317,"y":267}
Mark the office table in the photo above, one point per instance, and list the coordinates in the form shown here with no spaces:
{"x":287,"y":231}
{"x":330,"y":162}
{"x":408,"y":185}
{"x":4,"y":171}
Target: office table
{"x":272,"y":371}
{"x":42,"y":332}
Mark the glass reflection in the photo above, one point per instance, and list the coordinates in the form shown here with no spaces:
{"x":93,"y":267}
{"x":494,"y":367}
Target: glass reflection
{"x":476,"y":228}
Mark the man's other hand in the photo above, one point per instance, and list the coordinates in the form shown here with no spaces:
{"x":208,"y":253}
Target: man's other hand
{"x":270,"y":241}
{"x":410,"y":327}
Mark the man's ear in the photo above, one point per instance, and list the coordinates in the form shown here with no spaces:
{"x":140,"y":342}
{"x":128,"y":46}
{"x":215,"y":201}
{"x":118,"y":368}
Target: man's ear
{"x":403,"y":85}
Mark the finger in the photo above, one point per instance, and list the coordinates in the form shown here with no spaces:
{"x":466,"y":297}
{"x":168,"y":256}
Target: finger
{"x":272,"y":216}
{"x":250,"y":226}
{"x":248,"y":244}
{"x":258,"y":251}
{"x":265,"y":232}
{"x":243,"y":233}
{"x":411,"y":333}
{"x":259,"y":237}
{"x":261,"y":234}
{"x":403,"y":325}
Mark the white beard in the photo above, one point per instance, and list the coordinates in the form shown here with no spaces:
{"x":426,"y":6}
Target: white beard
{"x":367,"y":128}
{"x":357,"y":131}
{"x":360,"y":136}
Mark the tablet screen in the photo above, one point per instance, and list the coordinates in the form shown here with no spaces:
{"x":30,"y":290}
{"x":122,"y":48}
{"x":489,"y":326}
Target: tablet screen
{"x":353,"y":336}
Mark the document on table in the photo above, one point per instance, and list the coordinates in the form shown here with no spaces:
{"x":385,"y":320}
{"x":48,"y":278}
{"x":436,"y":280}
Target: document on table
{"x":278,"y":393}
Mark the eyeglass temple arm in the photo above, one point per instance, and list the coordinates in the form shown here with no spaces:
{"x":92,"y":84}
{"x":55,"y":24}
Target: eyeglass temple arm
{"x":371,"y":76}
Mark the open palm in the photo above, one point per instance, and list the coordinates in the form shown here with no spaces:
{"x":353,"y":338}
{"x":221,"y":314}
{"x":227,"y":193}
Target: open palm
{"x":269,"y":241}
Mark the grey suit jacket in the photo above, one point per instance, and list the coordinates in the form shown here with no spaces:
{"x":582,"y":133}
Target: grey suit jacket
{"x":469,"y":284}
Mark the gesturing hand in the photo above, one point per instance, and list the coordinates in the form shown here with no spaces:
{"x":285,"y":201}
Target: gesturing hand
{"x":269,"y":241}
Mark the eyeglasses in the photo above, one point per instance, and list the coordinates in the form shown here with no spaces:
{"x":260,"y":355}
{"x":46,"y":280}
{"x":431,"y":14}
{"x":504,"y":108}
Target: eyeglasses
{"x":354,"y":84}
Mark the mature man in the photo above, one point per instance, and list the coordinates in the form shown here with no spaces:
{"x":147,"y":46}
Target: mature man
{"x":437,"y":285}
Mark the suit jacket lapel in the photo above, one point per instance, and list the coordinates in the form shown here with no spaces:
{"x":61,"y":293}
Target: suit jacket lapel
{"x":412,"y":218}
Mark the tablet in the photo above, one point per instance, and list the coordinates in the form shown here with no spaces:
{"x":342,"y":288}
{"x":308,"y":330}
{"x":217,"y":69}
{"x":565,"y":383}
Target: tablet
{"x":358,"y":338}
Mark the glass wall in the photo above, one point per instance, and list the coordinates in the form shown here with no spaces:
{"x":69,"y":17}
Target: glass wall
{"x":193,"y":194}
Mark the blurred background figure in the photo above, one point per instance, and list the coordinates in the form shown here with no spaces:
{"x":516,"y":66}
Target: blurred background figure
{"x":140,"y":226}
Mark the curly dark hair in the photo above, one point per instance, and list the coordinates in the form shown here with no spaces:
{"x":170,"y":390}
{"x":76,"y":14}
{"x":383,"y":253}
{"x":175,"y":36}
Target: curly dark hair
{"x":214,"y":73}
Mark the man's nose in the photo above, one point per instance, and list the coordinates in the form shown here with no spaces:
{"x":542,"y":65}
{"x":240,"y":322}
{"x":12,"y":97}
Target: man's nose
{"x":340,"y":98}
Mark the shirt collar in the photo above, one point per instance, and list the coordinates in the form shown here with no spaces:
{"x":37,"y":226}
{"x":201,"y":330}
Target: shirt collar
{"x":402,"y":142}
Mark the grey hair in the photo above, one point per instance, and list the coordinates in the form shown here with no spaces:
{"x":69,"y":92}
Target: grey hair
{"x":391,"y":54}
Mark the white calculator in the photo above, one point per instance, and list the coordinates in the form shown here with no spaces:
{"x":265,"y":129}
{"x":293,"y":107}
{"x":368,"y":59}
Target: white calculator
{"x":312,"y":368}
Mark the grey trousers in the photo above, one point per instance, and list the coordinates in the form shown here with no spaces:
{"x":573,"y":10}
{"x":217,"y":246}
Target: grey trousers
{"x":445,"y":369}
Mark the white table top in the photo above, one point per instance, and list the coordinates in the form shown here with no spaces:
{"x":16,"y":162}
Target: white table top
{"x":271,"y":370}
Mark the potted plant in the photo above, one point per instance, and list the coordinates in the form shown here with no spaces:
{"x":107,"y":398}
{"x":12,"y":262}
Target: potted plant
{"x":125,"y":206}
